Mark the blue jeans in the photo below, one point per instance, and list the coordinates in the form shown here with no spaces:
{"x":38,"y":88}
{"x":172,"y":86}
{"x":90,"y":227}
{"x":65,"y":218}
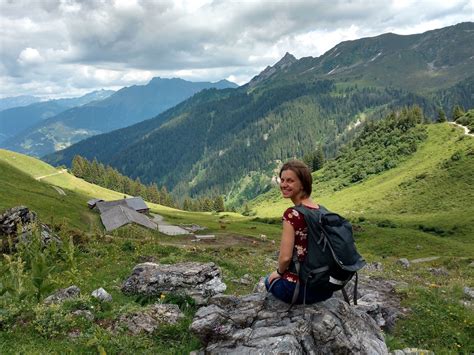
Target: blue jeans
{"x":283,"y":290}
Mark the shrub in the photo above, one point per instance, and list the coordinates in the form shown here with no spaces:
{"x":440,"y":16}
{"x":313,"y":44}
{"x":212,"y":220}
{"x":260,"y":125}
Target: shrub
{"x":52,"y":321}
{"x":386,"y":224}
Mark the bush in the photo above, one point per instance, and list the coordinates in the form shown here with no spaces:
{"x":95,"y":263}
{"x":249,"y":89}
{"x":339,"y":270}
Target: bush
{"x":128,"y":246}
{"x":52,"y":321}
{"x":386,"y":224}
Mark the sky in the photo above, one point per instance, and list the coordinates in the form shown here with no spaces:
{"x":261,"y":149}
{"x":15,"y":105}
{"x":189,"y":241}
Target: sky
{"x":65,"y":48}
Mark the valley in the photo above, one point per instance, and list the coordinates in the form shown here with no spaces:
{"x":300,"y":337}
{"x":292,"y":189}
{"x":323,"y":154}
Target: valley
{"x":385,"y":123}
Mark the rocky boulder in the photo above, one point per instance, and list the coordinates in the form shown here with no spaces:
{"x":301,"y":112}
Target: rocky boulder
{"x":378,"y":298}
{"x":63,"y":294}
{"x":197,"y":280}
{"x":149,"y":319}
{"x":18,"y":223}
{"x":259,"y":323}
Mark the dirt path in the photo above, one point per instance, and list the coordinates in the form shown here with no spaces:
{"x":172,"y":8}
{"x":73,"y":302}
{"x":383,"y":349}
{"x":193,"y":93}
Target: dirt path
{"x":59,"y":190}
{"x":466,"y":130}
{"x":62,"y":171}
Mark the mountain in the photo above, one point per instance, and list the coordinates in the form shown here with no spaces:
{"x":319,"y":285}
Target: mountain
{"x":17,"y":119}
{"x":17,"y":101}
{"x":231,"y":141}
{"x":421,"y":63}
{"x":125,"y":107}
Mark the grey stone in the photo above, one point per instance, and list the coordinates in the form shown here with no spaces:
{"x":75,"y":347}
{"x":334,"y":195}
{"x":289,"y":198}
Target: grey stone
{"x":197,"y":280}
{"x":244,"y":280}
{"x":102,"y":295}
{"x":260,"y":286}
{"x":468,"y":292}
{"x":377,"y":298}
{"x":18,"y":223}
{"x":438,"y":271}
{"x":424,"y":260}
{"x":375,"y":266}
{"x":471,"y":264}
{"x":149,"y":319}
{"x":404,"y":262}
{"x":260,"y":324}
{"x":63,"y":294}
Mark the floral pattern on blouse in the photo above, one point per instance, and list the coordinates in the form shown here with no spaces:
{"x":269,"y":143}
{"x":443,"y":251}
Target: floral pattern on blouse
{"x":296,"y":219}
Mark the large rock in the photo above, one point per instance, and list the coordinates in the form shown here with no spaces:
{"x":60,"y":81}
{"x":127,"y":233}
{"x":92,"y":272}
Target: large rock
{"x":150,"y":318}
{"x":197,"y":280}
{"x":259,"y":323}
{"x":378,"y":298}
{"x":63,"y":294}
{"x":18,"y":223}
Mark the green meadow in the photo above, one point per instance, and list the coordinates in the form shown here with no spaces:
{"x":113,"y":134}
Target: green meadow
{"x":423,"y":207}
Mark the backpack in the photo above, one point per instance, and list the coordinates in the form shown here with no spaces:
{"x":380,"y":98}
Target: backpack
{"x":332,"y":258}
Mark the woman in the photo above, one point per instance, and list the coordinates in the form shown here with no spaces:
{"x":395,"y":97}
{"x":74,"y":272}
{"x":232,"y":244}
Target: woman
{"x":295,"y":184}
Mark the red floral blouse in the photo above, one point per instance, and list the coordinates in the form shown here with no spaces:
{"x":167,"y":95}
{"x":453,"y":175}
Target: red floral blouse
{"x":296,"y":219}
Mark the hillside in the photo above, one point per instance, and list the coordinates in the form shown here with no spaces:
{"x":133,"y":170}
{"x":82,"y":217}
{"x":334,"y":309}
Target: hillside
{"x":127,"y":106}
{"x":30,"y":182}
{"x":419,"y":208}
{"x":230,"y":142}
{"x":430,"y":190}
{"x":17,"y":119}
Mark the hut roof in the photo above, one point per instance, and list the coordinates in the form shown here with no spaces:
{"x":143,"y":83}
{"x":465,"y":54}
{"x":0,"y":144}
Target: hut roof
{"x":93,"y":202}
{"x":135,"y":203}
{"x":118,"y":216}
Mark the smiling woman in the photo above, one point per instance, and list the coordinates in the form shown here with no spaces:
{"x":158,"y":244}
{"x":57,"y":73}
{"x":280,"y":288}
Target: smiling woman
{"x":295,"y":184}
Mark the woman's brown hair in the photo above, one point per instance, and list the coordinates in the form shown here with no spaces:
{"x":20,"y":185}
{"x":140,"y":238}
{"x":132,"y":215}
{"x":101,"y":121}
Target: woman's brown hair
{"x":302,"y":172}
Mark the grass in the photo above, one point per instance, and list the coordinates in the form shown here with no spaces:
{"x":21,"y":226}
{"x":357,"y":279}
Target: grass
{"x":421,"y":208}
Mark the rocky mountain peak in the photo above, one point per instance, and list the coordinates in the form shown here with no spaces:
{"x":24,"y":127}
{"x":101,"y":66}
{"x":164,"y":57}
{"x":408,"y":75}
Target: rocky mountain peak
{"x":287,"y":60}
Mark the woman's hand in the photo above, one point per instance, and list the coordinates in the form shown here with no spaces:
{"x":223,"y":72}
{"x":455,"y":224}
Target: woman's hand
{"x":274,"y":275}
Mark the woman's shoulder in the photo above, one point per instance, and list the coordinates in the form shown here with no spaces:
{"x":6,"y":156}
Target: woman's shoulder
{"x":290,"y":213}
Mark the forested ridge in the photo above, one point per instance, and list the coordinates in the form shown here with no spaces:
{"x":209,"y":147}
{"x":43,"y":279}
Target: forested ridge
{"x":230,"y":141}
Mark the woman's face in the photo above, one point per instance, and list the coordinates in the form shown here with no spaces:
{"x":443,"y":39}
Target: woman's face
{"x":290,"y":185}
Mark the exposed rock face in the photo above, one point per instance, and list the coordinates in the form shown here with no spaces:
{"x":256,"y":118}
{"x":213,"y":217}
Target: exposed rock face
{"x":18,"y":223}
{"x":287,"y":60}
{"x":148,"y":320}
{"x":197,"y":280}
{"x":63,"y":294}
{"x":258,"y":323}
{"x":15,"y":217}
{"x":378,"y":299}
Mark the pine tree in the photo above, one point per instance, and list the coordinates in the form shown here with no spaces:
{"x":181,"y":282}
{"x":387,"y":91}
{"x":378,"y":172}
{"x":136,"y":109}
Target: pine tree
{"x":219,"y":204}
{"x":441,"y":116}
{"x":458,"y":111}
{"x":77,"y":166}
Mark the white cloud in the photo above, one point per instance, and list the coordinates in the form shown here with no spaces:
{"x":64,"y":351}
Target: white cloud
{"x":29,"y":56}
{"x":73,"y":45}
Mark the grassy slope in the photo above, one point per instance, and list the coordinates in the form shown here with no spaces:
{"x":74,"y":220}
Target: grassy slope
{"x":419,"y":190}
{"x":36,"y":168}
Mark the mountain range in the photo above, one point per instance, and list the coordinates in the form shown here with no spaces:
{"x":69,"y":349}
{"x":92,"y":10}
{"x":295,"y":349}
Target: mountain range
{"x":15,"y":120}
{"x":17,"y":101}
{"x":231,"y":141}
{"x":52,"y":128}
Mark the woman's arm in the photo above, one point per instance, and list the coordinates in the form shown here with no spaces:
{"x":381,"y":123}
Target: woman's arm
{"x":286,"y":249}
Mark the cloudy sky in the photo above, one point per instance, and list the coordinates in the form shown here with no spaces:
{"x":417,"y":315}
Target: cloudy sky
{"x":60,"y":48}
